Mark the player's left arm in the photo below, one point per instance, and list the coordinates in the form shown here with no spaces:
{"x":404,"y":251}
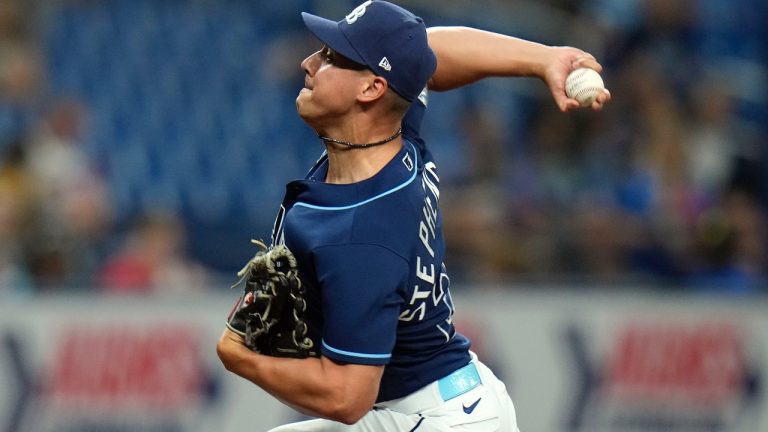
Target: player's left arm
{"x":318,"y":387}
{"x":465,"y":55}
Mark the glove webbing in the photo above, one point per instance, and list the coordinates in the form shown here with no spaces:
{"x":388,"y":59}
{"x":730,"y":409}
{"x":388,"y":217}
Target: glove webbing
{"x":277,"y":267}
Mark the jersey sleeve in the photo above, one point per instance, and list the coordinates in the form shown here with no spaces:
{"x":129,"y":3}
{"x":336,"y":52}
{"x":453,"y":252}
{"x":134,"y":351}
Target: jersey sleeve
{"x":362,"y":291}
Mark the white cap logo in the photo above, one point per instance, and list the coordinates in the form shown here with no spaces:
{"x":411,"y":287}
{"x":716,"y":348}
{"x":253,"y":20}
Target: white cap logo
{"x":358,"y":12}
{"x":423,"y":97}
{"x":385,"y":64}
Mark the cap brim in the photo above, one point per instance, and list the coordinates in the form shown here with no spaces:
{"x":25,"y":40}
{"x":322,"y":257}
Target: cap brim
{"x":331,"y":35}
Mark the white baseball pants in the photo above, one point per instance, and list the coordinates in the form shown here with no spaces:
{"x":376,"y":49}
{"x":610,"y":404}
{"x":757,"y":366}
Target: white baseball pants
{"x":485,"y":408}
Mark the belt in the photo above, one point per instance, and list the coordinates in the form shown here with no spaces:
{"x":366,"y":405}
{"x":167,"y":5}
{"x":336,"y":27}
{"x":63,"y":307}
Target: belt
{"x":451,"y":386}
{"x":459,"y":382}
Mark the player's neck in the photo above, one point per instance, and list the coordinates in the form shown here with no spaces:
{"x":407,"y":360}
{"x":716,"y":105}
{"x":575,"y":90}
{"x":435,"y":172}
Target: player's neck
{"x":352,"y":165}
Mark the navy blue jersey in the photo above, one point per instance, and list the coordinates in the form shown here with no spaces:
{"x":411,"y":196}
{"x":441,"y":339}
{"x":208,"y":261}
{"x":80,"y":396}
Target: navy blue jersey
{"x":370,"y":255}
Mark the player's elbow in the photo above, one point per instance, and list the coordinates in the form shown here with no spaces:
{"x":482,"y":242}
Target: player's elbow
{"x":227,"y":354}
{"x":221,"y":351}
{"x":349,"y":412}
{"x":349,"y":406}
{"x":349,"y":390}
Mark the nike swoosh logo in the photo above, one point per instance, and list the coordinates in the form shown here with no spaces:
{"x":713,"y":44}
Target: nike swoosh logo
{"x":469,"y":409}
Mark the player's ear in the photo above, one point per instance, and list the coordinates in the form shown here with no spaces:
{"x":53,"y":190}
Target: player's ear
{"x":373,"y":88}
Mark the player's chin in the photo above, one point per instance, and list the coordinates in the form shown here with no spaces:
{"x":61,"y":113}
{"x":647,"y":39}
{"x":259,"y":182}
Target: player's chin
{"x":301,"y":99}
{"x":302,"y":108}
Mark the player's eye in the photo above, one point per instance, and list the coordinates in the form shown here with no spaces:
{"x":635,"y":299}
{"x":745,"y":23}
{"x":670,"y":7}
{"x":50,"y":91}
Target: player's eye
{"x":327,"y":55}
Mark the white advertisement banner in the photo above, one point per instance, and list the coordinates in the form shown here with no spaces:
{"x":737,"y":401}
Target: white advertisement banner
{"x":572,"y":361}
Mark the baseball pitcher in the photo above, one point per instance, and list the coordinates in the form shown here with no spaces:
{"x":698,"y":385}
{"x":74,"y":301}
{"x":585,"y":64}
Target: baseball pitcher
{"x":347,"y":315}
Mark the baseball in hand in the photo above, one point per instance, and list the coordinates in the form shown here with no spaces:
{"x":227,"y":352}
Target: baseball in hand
{"x":584,"y":85}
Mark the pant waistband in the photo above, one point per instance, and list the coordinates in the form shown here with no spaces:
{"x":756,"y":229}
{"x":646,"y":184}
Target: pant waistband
{"x":449,"y":387}
{"x":459,"y":382}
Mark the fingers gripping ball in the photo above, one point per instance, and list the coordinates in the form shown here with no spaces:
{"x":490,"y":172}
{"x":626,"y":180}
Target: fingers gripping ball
{"x":270,"y":312}
{"x":584,"y":85}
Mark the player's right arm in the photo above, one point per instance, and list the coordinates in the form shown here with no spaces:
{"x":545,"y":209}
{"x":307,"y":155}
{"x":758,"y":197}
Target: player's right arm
{"x":465,"y":55}
{"x":317,"y":387}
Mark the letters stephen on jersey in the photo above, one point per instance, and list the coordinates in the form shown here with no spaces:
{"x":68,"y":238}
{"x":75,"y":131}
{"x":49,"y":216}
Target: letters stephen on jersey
{"x":434,"y":287}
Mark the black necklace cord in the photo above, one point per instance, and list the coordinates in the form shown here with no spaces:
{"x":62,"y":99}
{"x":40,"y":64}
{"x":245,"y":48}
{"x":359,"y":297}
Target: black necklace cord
{"x":353,"y":145}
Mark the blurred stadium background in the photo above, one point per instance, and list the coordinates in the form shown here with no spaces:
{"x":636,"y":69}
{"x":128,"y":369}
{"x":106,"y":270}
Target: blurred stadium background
{"x":144,"y":142}
{"x":120,"y":112}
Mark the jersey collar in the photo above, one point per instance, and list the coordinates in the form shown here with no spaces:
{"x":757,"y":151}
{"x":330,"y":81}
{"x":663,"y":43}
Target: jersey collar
{"x":316,"y":194}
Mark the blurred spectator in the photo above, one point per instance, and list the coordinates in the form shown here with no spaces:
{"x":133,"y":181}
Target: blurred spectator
{"x":730,"y":247}
{"x":480,"y":244}
{"x":20,"y":74}
{"x":719,"y":139}
{"x":750,"y":227}
{"x":153,"y":260}
{"x":16,"y":206}
{"x":73,"y":214}
{"x":21,"y":71}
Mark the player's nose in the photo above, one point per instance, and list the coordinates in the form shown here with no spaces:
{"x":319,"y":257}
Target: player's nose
{"x":310,"y":64}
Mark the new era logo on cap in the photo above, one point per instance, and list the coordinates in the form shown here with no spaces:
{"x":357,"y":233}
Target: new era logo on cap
{"x":389,"y":40}
{"x":385,"y":64}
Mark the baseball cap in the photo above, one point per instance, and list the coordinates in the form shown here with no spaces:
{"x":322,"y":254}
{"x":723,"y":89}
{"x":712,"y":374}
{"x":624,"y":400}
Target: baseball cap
{"x":386,"y":38}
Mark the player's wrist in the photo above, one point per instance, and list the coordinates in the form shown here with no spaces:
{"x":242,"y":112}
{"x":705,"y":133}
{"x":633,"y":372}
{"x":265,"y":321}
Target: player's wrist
{"x":233,"y":335}
{"x":233,"y":329}
{"x":541,"y":61}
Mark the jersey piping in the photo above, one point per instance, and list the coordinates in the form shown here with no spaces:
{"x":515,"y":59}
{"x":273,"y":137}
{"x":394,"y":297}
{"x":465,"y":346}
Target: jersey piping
{"x":354,"y":354}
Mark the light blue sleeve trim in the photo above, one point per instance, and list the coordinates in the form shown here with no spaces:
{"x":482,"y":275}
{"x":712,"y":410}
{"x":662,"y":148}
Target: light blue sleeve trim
{"x":354,"y":354}
{"x":383,"y":194}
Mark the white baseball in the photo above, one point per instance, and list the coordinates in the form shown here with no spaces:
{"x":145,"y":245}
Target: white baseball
{"x":584,"y":84}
